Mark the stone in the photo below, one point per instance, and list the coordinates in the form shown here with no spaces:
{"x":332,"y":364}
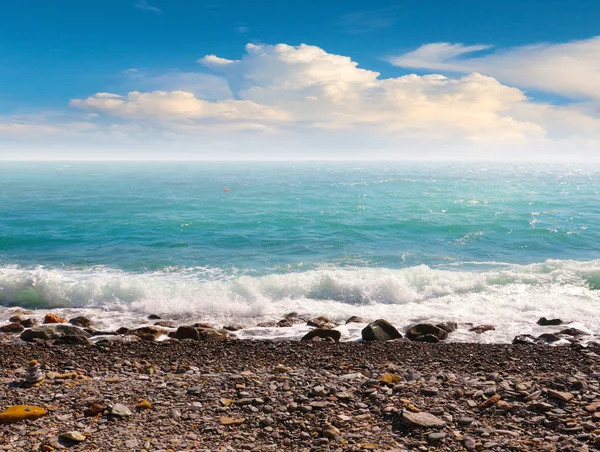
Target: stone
{"x":12,"y":328}
{"x":53,"y":318}
{"x":34,"y":376}
{"x":430,"y":338}
{"x":480,"y":329}
{"x":119,"y":410}
{"x":60,"y":332}
{"x":29,"y":322}
{"x":94,"y":410}
{"x":73,"y":436}
{"x":81,"y":321}
{"x":448,"y":327}
{"x":380,"y":330}
{"x":154,"y":317}
{"x":558,"y":395}
{"x":548,"y":338}
{"x":322,"y":322}
{"x":524,"y":339}
{"x":422,"y":329}
{"x":17,"y":413}
{"x":225,"y":420}
{"x":235,"y":327}
{"x":165,"y":324}
{"x":592,"y":407}
{"x":323,"y":334}
{"x":543,"y":321}
{"x":436,"y":438}
{"x":355,"y":319}
{"x":572,"y":332}
{"x":390,"y":379}
{"x":424,"y":420}
{"x":143,"y":405}
{"x":187,"y":332}
{"x":148,"y":333}
{"x":332,"y":433}
{"x":490,"y":402}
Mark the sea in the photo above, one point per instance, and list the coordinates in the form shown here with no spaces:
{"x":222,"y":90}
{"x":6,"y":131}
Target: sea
{"x":243,"y":243}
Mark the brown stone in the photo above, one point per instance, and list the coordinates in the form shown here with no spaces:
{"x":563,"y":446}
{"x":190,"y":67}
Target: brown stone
{"x":53,"y":318}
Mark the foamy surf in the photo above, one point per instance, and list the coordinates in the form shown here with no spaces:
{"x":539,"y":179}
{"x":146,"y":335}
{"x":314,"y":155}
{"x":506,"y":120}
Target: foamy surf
{"x":510,"y":297}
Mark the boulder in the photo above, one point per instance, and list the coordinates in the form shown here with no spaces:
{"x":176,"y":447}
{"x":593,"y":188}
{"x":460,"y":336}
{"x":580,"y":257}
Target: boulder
{"x":122,"y":330}
{"x":12,"y":328}
{"x":572,"y":332}
{"x":154,"y":317}
{"x":380,"y":330}
{"x":548,"y":338}
{"x":423,"y":329}
{"x":448,"y":327}
{"x":524,"y":339}
{"x":480,"y":329}
{"x":543,"y":321}
{"x":59,"y":332}
{"x":16,"y":319}
{"x":148,"y":333}
{"x":430,"y":338}
{"x":322,"y":322}
{"x":355,"y":319}
{"x":186,"y":332}
{"x":29,"y":323}
{"x":165,"y":324}
{"x":323,"y":334}
{"x":235,"y":327}
{"x":81,"y":321}
{"x":53,"y":318}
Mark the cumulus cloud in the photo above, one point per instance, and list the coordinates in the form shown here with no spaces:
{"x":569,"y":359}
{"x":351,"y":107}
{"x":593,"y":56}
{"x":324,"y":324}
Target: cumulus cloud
{"x":305,"y":102}
{"x":306,"y":87}
{"x":568,"y":69}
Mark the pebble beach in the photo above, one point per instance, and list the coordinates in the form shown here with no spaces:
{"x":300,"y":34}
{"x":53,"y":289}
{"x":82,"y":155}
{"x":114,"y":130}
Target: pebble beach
{"x":214,"y":392}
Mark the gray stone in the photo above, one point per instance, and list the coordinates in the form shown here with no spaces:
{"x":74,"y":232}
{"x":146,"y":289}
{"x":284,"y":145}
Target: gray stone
{"x":120,"y":410}
{"x":56,"y":331}
{"x":424,"y":420}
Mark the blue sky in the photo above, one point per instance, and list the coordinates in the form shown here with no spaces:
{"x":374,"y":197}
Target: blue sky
{"x":54,"y":53}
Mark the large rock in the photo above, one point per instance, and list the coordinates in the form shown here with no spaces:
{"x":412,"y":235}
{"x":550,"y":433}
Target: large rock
{"x":56,"y":331}
{"x":322,"y":322}
{"x":53,"y":318}
{"x":525,"y":339}
{"x":12,"y":328}
{"x":148,"y":333}
{"x":423,"y":329}
{"x":323,"y":334}
{"x":81,"y":321}
{"x":199,"y":333}
{"x":448,"y":327}
{"x":543,"y":321}
{"x":380,"y":330}
{"x":355,"y":319}
{"x":186,"y":332}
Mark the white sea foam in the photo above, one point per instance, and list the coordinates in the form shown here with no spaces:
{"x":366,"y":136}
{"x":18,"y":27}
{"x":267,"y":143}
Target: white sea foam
{"x":511,"y":297}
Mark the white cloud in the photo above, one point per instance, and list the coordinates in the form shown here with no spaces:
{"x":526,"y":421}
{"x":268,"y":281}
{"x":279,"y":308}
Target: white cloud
{"x":569,"y":69}
{"x":368,"y":21}
{"x":301,"y":101}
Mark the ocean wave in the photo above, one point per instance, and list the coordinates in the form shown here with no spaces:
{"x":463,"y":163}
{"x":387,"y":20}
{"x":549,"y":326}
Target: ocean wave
{"x":511,"y":297}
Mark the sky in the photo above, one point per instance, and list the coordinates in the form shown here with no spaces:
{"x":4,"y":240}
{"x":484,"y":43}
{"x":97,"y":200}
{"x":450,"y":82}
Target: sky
{"x":272,"y":80}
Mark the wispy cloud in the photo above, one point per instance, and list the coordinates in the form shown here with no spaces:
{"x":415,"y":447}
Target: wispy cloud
{"x":569,"y":69}
{"x":144,"y":6}
{"x":368,"y":21}
{"x":242,"y":29}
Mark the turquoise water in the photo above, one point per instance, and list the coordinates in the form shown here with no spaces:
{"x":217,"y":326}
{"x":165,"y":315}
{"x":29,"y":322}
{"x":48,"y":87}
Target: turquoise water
{"x":315,"y":236}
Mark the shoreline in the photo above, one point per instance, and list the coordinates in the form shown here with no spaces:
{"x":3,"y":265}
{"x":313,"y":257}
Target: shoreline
{"x":310,"y":396}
